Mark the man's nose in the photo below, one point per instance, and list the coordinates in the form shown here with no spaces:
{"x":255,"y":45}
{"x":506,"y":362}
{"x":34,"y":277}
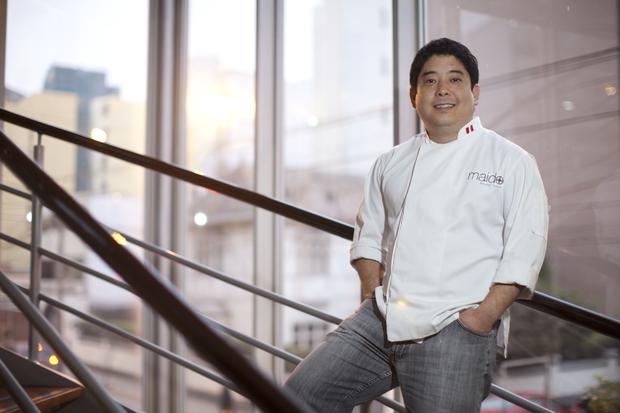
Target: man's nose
{"x":442,"y":90}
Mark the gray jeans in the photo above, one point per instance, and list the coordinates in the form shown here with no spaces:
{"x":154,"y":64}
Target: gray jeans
{"x":449,"y":372}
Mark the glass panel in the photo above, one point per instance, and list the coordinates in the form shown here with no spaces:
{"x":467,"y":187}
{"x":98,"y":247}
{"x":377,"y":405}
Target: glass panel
{"x":220,"y":144}
{"x":81,"y":65}
{"x":549,"y":83}
{"x":337,"y":119}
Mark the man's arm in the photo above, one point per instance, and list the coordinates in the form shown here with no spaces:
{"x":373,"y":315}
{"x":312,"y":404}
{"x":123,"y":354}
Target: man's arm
{"x":366,"y":251}
{"x":525,"y":242}
{"x":370,"y":273}
{"x":498,"y":299}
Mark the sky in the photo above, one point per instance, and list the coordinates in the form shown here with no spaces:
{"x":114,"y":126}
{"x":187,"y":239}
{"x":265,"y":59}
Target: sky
{"x":112,"y":36}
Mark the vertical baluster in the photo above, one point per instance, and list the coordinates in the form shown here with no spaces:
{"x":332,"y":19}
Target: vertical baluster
{"x":35,"y":257}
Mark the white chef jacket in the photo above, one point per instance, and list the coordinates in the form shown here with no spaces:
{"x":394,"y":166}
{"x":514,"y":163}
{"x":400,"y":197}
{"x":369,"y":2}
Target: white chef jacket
{"x":447,"y":221}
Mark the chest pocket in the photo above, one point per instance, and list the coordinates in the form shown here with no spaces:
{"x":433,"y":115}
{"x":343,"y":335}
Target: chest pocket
{"x":481,"y":198}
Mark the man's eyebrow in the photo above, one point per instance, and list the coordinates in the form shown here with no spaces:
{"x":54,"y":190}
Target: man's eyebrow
{"x":428,"y":72}
{"x":433,"y":72}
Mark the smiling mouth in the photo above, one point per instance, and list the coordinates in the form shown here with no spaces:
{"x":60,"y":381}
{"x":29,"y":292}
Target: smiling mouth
{"x":444,"y":106}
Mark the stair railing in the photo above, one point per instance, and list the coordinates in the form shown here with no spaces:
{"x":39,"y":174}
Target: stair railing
{"x":541,"y":302}
{"x":45,"y":328}
{"x":15,"y":389}
{"x":161,"y":297}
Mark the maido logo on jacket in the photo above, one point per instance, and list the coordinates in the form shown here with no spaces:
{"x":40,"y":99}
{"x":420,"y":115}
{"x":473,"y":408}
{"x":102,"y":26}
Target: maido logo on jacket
{"x":486,"y":178}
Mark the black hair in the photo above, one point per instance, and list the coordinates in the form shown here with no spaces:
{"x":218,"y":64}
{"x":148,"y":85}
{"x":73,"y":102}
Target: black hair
{"x":444,"y":47}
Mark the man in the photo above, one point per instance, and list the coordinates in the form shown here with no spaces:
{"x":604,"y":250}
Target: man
{"x":452,"y":229}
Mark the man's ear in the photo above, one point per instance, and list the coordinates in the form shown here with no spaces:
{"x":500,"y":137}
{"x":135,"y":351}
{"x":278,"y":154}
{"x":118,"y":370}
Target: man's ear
{"x":412,"y":93}
{"x":476,"y":92}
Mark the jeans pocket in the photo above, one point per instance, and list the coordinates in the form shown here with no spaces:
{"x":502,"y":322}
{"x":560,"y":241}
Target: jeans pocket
{"x":470,"y":331}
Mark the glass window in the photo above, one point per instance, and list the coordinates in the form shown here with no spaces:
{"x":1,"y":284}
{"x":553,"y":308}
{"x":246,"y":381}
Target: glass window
{"x":337,"y":119}
{"x":81,"y":65}
{"x":549,"y":78}
{"x":220,"y":144}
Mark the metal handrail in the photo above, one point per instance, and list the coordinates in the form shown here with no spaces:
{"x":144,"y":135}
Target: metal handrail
{"x":551,"y":305}
{"x":16,"y":192}
{"x":304,"y":308}
{"x":518,"y":400}
{"x":576,"y":314}
{"x":290,"y":357}
{"x":270,"y":295}
{"x":245,"y":195}
{"x":504,"y":393}
{"x":285,"y":355}
{"x":163,"y":298}
{"x":67,"y":261}
{"x":539,"y":301}
{"x":46,"y":329}
{"x":142,"y":343}
{"x":242,"y":337}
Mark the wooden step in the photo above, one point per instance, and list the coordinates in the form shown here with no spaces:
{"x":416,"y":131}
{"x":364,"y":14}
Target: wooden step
{"x":47,"y":399}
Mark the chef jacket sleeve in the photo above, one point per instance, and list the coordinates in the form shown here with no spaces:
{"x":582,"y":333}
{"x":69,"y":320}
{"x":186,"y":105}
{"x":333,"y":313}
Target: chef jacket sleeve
{"x":370,"y":219}
{"x":526,"y":223}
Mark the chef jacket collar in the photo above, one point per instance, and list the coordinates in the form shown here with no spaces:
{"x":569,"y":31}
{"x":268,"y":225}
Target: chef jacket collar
{"x":469,"y":130}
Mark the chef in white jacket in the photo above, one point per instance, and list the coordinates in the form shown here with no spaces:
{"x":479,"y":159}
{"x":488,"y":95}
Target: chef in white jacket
{"x":451,"y":231}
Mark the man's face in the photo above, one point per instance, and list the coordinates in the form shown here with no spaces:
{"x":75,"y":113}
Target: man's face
{"x":444,"y":98}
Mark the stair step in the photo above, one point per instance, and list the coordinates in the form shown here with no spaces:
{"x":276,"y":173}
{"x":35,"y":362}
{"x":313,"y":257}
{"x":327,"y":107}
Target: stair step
{"x":47,"y":399}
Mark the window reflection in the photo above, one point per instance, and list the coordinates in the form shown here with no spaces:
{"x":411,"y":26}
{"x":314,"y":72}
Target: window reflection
{"x":220,"y":144}
{"x":80,"y":65}
{"x":337,"y":120}
{"x":548,"y":82}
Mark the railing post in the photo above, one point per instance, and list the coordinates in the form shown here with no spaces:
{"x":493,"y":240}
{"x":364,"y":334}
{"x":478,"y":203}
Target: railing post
{"x":35,"y":257}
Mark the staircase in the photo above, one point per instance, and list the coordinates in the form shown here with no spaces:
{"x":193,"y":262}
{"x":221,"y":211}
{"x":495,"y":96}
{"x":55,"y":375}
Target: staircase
{"x":50,"y":390}
{"x":47,"y":399}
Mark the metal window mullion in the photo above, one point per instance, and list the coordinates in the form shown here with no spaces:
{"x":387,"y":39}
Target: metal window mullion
{"x":422,"y":26}
{"x":266,"y":163}
{"x":3,"y":36}
{"x":405,"y":41}
{"x":178,"y":202}
{"x":35,"y":256}
{"x":164,"y":212}
{"x":154,"y":119}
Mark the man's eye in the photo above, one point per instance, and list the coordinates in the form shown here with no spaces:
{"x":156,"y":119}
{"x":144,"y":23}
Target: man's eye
{"x":456,"y":80}
{"x":430,"y":81}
